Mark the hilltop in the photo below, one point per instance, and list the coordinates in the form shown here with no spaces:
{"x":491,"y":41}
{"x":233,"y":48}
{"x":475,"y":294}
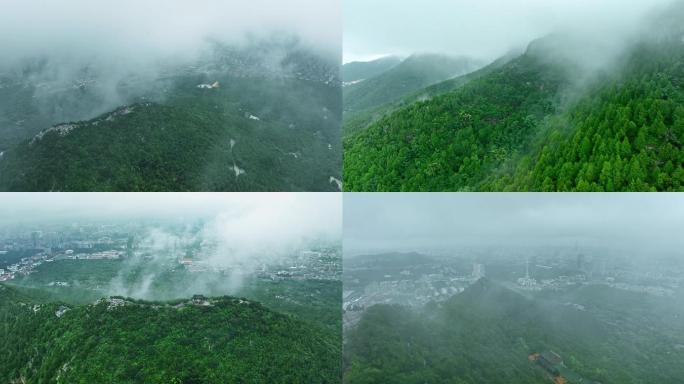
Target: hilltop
{"x":490,"y":333}
{"x":208,"y":340}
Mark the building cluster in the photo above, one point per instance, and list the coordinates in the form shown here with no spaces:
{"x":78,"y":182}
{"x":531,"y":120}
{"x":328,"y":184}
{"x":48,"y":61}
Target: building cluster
{"x":560,"y":274}
{"x":318,"y":264}
{"x":24,"y":267}
{"x":412,"y":285}
{"x":22,"y":251}
{"x":311,"y":264}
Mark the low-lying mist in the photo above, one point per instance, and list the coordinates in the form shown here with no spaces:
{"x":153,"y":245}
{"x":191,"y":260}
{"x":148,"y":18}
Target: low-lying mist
{"x":76,"y":60}
{"x":134,"y":32}
{"x":226,"y":237}
{"x":228,"y":248}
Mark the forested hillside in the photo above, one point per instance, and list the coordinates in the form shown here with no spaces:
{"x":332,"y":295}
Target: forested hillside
{"x":450,"y":141}
{"x":118,"y":340}
{"x":265,"y":118}
{"x":364,"y":99}
{"x":487,"y":334}
{"x":625,"y":135}
{"x":537,"y":123}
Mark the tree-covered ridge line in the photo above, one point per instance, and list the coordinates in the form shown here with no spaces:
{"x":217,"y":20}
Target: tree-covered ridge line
{"x":227,"y":138}
{"x":622,"y":133}
{"x":264,"y":117}
{"x":356,"y":71}
{"x":453,"y":139}
{"x":37,"y":92}
{"x":78,"y":282}
{"x":121,"y":340}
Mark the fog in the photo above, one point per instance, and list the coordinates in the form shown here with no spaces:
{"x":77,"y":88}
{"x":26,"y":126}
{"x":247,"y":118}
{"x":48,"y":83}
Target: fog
{"x":133,"y":32}
{"x":243,"y":230}
{"x":246,"y":230}
{"x":485,"y":29}
{"x":73,"y":60}
{"x":647,"y":223}
{"x":247,"y":219}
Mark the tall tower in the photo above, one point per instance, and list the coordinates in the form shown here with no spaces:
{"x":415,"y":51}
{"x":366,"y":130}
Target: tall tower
{"x":478,"y":271}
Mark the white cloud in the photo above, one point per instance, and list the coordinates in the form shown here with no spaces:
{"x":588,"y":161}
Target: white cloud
{"x":141,"y":29}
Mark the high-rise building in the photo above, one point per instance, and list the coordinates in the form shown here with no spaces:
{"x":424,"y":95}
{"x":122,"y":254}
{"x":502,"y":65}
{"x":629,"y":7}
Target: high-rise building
{"x":478,"y":271}
{"x":35,"y":238}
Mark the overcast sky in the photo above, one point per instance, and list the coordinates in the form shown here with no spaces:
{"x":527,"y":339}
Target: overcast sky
{"x":127,"y":28}
{"x":254,"y":210}
{"x":417,"y":221}
{"x":480,"y":28}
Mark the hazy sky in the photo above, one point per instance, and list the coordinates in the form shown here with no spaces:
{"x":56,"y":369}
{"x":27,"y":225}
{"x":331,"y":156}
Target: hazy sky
{"x":266,"y":210}
{"x":480,"y":28}
{"x":124,"y":29}
{"x":415,"y":221}
{"x":247,"y":229}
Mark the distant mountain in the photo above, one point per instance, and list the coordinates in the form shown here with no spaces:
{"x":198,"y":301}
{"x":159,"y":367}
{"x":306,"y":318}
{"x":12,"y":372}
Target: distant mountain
{"x":357,"y":71}
{"x":412,"y":74}
{"x":119,"y":340}
{"x":490,"y":334}
{"x":264,"y":117}
{"x":538,"y":122}
{"x":356,"y":122}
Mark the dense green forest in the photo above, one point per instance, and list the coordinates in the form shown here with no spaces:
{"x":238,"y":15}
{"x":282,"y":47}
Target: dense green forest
{"x":534,"y":123}
{"x":118,"y":340}
{"x":486,"y":334}
{"x":258,"y":129}
{"x":625,"y":135}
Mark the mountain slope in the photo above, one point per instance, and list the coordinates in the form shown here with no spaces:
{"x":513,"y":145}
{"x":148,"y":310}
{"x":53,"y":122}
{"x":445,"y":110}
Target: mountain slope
{"x":626,"y":135}
{"x":121,"y":340}
{"x":395,"y":344}
{"x":535,"y":124}
{"x":487,"y":333}
{"x":263,"y":118}
{"x":203,"y":142}
{"x":412,"y":74}
{"x":354,"y":123}
{"x":451,"y":141}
